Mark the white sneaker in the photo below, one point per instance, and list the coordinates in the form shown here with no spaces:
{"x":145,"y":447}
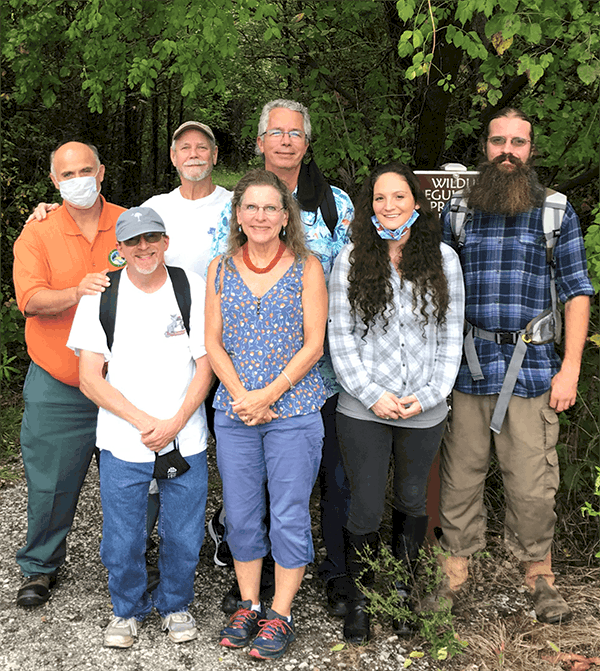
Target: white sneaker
{"x":120,"y":632}
{"x":181,"y":626}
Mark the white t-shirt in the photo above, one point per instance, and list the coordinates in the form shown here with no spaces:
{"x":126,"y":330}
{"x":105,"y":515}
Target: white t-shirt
{"x":152,"y":361}
{"x":190,"y":225}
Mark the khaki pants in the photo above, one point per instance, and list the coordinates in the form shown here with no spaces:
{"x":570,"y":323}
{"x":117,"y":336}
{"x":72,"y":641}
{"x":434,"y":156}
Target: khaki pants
{"x":529,"y":464}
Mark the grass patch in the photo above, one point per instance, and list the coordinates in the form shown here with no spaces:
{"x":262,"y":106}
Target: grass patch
{"x":226,"y":177}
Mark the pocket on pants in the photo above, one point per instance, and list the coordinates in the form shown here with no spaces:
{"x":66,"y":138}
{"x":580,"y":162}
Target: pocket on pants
{"x":551,"y":429}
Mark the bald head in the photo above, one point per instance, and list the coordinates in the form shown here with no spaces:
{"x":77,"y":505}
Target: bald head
{"x":70,"y":152}
{"x":77,"y":173}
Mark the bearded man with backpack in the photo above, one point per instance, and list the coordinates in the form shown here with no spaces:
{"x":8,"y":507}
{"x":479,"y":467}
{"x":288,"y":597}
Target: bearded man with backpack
{"x":511,"y":382}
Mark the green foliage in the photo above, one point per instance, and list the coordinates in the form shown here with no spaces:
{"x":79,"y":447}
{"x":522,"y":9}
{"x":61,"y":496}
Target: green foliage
{"x":13,"y":354}
{"x":587,"y":508}
{"x":592,"y":248}
{"x":227,"y":178}
{"x":436,"y":627}
{"x":10,"y":424}
{"x":363,"y":67}
{"x":113,"y":47}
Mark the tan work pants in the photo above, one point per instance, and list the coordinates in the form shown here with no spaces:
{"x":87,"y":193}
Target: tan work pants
{"x":529,"y":464}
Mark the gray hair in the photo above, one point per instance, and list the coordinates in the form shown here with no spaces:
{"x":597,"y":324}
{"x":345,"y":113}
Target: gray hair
{"x":87,"y":144}
{"x":286,"y":104}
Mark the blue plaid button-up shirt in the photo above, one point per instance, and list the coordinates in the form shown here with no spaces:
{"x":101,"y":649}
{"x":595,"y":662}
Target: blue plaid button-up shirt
{"x":507,"y":280}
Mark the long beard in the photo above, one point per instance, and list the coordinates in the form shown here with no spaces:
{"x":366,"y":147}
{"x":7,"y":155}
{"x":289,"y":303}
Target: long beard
{"x":507,"y":192}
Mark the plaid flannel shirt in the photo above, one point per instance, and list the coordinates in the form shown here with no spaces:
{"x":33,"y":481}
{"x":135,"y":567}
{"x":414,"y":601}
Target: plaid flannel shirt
{"x":507,"y":282}
{"x":407,"y":358}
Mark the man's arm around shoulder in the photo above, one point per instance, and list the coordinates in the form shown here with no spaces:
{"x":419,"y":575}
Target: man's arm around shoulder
{"x":55,"y":301}
{"x":32,"y":281}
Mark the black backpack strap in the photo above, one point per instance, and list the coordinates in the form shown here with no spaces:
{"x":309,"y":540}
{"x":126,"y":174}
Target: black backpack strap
{"x":328,"y":209}
{"x":181,"y":287}
{"x":108,"y":306}
{"x":108,"y":300}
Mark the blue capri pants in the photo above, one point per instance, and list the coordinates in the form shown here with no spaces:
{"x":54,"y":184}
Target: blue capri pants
{"x":283,"y":456}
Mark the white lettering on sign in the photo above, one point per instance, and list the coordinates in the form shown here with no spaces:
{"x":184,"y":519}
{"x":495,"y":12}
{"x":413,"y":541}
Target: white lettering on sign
{"x":439,"y":186}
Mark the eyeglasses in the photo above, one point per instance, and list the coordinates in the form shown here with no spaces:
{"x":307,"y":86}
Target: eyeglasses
{"x":155,"y":236}
{"x":277,"y":133}
{"x":500,"y":141}
{"x":252,"y":210}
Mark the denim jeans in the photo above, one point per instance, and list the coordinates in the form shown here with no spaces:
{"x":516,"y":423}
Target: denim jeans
{"x":124,"y":493}
{"x":284,"y":455}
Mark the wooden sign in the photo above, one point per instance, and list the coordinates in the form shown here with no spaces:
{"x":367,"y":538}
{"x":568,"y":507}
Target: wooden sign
{"x":439,"y":185}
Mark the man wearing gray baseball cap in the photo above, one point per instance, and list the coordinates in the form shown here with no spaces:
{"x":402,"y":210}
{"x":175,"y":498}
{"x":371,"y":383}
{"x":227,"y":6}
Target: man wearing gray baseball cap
{"x":148,"y":326}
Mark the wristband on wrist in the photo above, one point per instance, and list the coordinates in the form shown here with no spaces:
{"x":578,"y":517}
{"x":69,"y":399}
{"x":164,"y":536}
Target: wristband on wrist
{"x":288,"y":379}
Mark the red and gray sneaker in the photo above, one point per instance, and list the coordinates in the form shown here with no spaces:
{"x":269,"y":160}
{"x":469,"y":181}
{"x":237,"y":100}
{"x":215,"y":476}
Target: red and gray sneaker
{"x":274,"y":637}
{"x":243,"y":627}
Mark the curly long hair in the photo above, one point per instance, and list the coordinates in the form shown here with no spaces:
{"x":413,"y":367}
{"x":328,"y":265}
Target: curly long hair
{"x":292,"y":234}
{"x":370,"y":289}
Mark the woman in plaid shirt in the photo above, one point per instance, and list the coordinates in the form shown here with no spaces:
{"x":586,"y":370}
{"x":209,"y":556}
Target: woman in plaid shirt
{"x":396,"y":307}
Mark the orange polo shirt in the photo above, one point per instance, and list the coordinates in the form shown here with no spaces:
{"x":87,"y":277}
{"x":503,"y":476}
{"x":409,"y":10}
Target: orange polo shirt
{"x":54,"y":254}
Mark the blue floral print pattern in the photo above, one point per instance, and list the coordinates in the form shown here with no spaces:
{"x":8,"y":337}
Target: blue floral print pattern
{"x":261,"y":335}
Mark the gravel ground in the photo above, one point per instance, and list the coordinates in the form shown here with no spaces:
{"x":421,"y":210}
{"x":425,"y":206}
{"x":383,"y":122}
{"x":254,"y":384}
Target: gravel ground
{"x":65,"y":634}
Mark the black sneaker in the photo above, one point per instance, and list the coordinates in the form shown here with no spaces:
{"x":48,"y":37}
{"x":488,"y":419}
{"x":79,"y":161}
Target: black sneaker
{"x":35,"y":589}
{"x":274,"y":637}
{"x":243,"y":626}
{"x":216,"y":530}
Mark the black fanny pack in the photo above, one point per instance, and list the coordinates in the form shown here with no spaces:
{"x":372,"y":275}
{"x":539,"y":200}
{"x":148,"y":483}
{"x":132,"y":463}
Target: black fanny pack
{"x":170,"y":464}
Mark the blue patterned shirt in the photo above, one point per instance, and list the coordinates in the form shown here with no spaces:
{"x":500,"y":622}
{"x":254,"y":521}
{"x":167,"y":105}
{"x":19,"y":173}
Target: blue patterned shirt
{"x":507,"y":280}
{"x":320,"y":241}
{"x":262,"y":335}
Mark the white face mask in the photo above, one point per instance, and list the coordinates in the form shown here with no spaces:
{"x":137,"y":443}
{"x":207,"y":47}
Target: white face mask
{"x":81,"y":192}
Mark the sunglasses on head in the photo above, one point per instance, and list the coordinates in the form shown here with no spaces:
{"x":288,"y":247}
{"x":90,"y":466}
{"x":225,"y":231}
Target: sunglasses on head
{"x":154,"y":236}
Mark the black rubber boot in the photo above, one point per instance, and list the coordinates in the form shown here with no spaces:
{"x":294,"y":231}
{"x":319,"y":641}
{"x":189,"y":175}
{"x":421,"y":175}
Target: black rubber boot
{"x":408,"y":534}
{"x":357,"y":623}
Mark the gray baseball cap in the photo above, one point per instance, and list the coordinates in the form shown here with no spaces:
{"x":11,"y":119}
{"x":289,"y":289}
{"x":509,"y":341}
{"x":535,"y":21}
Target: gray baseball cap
{"x":194,"y":125}
{"x":138,"y":220}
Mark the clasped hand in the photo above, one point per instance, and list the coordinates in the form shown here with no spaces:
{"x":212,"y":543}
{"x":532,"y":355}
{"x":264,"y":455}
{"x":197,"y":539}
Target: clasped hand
{"x":389,"y":406}
{"x":253,"y":408}
{"x":158,"y":433}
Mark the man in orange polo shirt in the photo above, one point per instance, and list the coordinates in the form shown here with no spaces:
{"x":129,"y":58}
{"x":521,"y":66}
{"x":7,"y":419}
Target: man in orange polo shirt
{"x":56,"y":263}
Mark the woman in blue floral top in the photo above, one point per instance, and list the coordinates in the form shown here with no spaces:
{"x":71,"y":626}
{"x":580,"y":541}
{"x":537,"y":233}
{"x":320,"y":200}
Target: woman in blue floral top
{"x":266,"y":310}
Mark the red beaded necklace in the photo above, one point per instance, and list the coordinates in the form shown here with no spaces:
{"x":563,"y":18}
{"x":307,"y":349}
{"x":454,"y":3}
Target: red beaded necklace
{"x":261,"y":271}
